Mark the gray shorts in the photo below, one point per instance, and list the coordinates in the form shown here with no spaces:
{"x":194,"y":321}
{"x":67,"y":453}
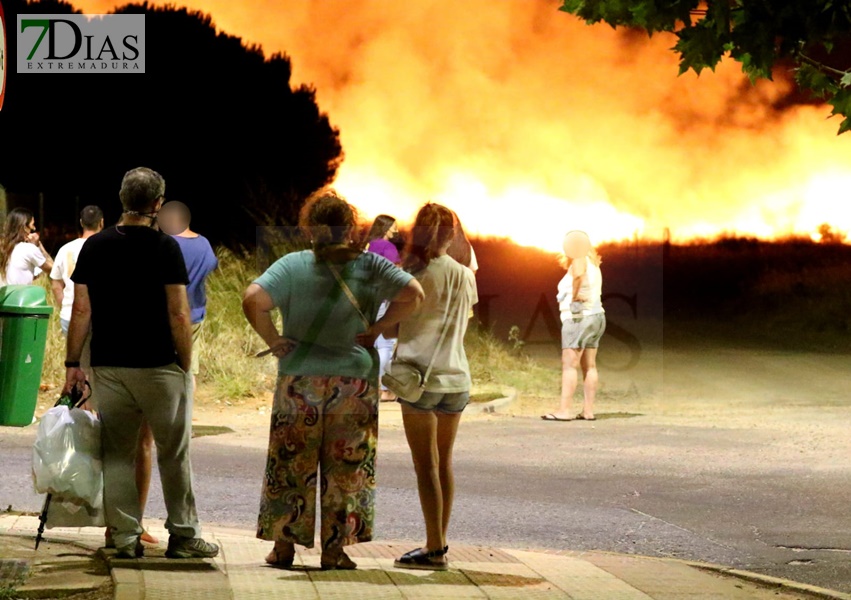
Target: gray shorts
{"x":195,"y":366}
{"x":578,"y":334}
{"x":438,"y":401}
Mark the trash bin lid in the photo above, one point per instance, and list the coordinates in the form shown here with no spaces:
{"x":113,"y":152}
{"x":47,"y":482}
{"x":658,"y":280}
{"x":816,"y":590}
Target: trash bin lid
{"x":24,"y":300}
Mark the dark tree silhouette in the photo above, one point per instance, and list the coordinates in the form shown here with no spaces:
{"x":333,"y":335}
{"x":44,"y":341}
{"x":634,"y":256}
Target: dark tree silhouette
{"x":218,"y":119}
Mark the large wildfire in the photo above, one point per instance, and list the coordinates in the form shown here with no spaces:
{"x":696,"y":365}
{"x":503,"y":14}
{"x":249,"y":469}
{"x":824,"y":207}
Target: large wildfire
{"x":528,"y":123}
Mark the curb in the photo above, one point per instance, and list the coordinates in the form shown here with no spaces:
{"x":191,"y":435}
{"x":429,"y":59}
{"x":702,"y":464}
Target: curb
{"x":127,"y":582}
{"x":491,"y":406}
{"x":813,"y":591}
{"x":769,"y":581}
{"x":772,"y":582}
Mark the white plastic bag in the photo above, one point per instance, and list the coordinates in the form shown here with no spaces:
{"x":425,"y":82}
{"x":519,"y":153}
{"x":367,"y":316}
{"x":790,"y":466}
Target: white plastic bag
{"x":69,"y":513}
{"x":67,"y":456}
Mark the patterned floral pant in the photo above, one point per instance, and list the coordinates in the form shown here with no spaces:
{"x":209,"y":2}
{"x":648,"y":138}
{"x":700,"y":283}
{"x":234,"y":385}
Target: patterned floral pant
{"x":330,"y":423}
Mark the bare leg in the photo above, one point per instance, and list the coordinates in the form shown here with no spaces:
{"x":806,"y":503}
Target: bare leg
{"x":421,"y":432}
{"x":447,"y":427}
{"x":144,"y":461}
{"x":589,"y":370}
{"x":570,"y":359}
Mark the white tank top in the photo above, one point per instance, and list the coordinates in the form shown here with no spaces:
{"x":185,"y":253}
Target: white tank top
{"x":591,"y":289}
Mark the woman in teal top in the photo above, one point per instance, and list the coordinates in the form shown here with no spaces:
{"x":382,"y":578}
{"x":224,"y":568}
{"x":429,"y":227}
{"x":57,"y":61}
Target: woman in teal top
{"x":325,"y":411}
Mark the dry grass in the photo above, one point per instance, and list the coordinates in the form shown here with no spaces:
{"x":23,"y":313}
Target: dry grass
{"x":494,"y":364}
{"x":229,"y":371}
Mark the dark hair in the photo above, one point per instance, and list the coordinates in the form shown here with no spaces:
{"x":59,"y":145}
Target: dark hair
{"x":331,"y":224}
{"x":90,"y":217}
{"x":460,"y":249}
{"x":140,"y":189}
{"x":433,"y":229}
{"x":15,"y":230}
{"x":380,"y":227}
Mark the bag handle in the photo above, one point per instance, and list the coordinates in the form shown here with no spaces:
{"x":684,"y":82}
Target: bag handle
{"x":349,"y":294}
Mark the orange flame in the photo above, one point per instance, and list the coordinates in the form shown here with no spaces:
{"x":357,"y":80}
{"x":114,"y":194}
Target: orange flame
{"x":529,"y":123}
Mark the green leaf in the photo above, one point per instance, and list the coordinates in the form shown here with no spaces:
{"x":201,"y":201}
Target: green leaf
{"x":700,"y":47}
{"x":816,"y":81}
{"x":846,"y":79}
{"x":572,"y":6}
{"x":841,"y":103}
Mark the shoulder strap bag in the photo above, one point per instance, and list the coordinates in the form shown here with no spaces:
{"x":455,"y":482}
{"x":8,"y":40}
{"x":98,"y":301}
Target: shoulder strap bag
{"x":407,"y":380}
{"x":320,"y":320}
{"x":349,"y":294}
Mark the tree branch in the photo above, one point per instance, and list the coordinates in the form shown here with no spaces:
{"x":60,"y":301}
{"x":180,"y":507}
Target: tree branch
{"x":821,"y":66}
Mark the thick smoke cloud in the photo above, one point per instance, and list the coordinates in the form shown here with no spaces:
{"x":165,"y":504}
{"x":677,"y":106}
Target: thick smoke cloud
{"x":519,"y":114}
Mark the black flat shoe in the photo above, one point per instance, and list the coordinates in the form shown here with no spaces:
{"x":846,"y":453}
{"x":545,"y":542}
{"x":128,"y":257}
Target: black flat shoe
{"x":423,"y":559}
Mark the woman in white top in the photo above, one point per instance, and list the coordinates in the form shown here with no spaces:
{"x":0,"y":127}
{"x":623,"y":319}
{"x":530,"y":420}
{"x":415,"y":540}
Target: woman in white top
{"x":22,"y":257}
{"x":431,"y":422}
{"x":583,"y":324}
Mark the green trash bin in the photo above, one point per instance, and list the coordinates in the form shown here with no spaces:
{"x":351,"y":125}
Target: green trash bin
{"x":24,"y":317}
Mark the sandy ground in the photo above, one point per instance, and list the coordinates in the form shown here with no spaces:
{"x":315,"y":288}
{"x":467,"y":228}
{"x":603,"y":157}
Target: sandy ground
{"x":802,"y":398}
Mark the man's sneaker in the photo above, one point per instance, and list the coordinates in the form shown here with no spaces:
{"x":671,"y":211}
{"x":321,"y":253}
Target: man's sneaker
{"x":184,"y":547}
{"x":134,"y":549}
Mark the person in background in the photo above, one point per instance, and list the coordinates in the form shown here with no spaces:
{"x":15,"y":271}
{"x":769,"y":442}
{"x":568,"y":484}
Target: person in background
{"x":22,"y":256}
{"x":91,"y":221}
{"x":174,"y":219}
{"x":583,"y":324}
{"x":382,"y":237}
{"x":130,"y":289}
{"x":325,"y":413}
{"x":432,"y":421}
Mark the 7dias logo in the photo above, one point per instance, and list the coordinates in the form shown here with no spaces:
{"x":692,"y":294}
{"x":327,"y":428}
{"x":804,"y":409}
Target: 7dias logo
{"x":81,"y":43}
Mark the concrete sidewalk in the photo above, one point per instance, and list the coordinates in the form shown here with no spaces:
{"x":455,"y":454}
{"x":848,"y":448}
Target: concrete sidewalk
{"x":239,"y":572}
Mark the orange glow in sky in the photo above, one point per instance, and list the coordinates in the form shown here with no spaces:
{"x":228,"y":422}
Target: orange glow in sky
{"x":529,"y":123}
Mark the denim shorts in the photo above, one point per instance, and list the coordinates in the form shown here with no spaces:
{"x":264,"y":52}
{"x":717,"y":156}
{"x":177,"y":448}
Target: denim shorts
{"x":578,"y":334}
{"x":440,"y":402}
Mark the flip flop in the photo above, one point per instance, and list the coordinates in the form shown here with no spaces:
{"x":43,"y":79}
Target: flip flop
{"x":552,"y":417}
{"x":580,"y":417}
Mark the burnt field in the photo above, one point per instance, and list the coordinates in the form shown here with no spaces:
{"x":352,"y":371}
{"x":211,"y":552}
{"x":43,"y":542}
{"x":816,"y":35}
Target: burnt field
{"x":791,"y":295}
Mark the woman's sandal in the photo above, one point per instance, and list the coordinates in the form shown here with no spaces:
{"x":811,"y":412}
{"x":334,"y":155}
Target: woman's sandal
{"x":147,"y":538}
{"x":423,"y":559}
{"x":280,"y":558}
{"x":340,"y":562}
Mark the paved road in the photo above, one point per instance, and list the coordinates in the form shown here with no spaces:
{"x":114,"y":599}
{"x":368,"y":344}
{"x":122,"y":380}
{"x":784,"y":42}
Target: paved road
{"x":621,"y":485}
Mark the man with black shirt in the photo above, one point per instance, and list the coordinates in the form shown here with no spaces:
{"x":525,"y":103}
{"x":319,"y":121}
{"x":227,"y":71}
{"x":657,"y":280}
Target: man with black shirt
{"x":130,"y":285}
